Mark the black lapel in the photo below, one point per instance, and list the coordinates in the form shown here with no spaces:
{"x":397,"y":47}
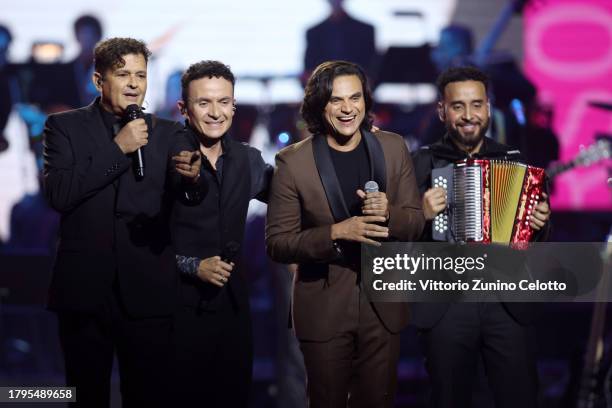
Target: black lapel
{"x":236,"y":173}
{"x":378,"y":172}
{"x":95,"y":125}
{"x":149,"y":154}
{"x":330,"y":182}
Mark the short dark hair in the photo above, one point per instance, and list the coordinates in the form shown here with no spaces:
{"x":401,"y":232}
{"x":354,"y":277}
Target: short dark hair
{"x":109,"y":54}
{"x":208,"y":69}
{"x":88,"y":20}
{"x":319,"y":89}
{"x":460,"y":74}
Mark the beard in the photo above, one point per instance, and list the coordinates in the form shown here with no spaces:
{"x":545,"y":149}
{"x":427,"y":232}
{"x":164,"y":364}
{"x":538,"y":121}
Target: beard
{"x":469,"y":141}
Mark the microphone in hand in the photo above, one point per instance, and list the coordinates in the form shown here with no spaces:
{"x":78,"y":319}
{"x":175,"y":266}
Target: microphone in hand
{"x":133,"y":112}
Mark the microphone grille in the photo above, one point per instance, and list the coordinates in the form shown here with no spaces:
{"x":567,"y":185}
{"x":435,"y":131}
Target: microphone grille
{"x":371,"y":187}
{"x":133,"y":112}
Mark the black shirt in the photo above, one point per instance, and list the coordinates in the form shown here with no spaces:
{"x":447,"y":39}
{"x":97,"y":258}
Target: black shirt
{"x":260,"y":171}
{"x":261,"y":174}
{"x":353,"y":171}
{"x":111,"y":122}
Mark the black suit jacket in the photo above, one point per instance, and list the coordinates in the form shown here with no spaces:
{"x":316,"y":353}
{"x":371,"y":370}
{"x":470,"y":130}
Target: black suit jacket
{"x":113,"y":228}
{"x":342,"y":38}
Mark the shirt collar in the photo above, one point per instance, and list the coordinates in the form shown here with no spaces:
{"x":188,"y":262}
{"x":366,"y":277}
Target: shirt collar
{"x":108,"y":118}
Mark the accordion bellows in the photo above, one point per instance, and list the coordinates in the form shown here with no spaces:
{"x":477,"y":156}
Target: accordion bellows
{"x":487,"y":201}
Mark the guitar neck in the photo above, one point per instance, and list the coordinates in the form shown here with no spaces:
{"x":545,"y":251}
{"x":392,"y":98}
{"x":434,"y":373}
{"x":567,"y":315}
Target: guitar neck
{"x":558,"y":169}
{"x":484,"y":48}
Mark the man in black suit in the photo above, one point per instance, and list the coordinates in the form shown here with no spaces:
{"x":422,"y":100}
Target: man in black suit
{"x":114,"y":280}
{"x":213,"y":325}
{"x":457,"y":335}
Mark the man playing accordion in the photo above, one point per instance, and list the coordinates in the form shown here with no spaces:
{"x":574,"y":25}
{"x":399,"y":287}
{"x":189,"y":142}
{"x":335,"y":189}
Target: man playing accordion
{"x":457,"y":335}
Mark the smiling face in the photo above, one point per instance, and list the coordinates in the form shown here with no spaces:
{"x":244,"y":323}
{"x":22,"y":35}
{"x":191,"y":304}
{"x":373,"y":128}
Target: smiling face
{"x":123,"y":85}
{"x":209,"y":106}
{"x":346,"y":108}
{"x":465,"y":111}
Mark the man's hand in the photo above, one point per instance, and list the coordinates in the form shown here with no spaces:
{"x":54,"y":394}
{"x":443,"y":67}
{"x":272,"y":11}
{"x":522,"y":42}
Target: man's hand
{"x":188,"y":165}
{"x":132,"y":136}
{"x":374,"y":204}
{"x":434,"y":202}
{"x":541,"y":214}
{"x":360,"y":229}
{"x":213,"y":270}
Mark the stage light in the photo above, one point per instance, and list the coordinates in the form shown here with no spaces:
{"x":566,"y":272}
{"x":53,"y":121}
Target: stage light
{"x":518,"y":109}
{"x":283,"y":137}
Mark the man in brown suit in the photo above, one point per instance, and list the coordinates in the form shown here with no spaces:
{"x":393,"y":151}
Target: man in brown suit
{"x":318,"y":216}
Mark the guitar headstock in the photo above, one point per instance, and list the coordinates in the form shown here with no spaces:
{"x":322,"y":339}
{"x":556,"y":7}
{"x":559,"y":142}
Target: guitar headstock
{"x":599,"y":150}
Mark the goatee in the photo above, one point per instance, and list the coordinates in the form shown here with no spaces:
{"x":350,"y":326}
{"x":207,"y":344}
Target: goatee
{"x":471,"y":141}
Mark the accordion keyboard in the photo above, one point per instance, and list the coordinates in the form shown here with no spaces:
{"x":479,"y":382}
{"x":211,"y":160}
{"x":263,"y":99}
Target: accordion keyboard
{"x":467,"y":207}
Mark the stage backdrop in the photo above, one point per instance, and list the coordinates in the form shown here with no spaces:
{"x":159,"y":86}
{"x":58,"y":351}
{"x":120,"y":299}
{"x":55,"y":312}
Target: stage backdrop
{"x":568,"y":55}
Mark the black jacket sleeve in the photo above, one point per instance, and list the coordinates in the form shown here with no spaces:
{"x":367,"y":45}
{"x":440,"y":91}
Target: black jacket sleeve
{"x":68,"y":179}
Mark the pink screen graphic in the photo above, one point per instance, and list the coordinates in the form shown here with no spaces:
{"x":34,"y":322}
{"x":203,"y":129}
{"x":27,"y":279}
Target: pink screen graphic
{"x":568,"y":56}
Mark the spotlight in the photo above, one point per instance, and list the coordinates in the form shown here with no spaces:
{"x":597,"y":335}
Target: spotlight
{"x":283,"y":137}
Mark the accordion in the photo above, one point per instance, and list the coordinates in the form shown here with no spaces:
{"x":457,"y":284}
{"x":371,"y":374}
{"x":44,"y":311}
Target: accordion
{"x":488,"y":201}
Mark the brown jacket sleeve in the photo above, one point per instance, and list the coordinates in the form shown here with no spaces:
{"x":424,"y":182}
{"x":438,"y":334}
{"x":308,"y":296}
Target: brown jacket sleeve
{"x":406,"y":220}
{"x":286,"y":241}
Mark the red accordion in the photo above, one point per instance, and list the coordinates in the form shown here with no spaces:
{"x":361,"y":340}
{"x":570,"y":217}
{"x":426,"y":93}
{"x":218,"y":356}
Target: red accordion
{"x":487,"y":201}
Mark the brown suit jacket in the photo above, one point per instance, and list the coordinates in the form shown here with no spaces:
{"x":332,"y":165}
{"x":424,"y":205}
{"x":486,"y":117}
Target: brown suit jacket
{"x":305,"y":200}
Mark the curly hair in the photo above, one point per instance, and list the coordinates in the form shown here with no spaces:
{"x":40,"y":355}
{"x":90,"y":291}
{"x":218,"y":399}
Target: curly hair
{"x":208,"y":69}
{"x":460,"y":74}
{"x":319,"y":89}
{"x":109,"y":54}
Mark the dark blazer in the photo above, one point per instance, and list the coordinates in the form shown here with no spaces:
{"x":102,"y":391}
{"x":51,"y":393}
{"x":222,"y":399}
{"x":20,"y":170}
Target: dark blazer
{"x":113,"y":228}
{"x":306,"y":199}
{"x":216,"y":224}
{"x":341,"y":38}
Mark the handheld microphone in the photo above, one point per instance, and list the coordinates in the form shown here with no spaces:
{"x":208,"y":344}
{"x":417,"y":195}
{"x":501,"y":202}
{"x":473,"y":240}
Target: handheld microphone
{"x":372,"y":187}
{"x":230,"y":251}
{"x":133,"y":112}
